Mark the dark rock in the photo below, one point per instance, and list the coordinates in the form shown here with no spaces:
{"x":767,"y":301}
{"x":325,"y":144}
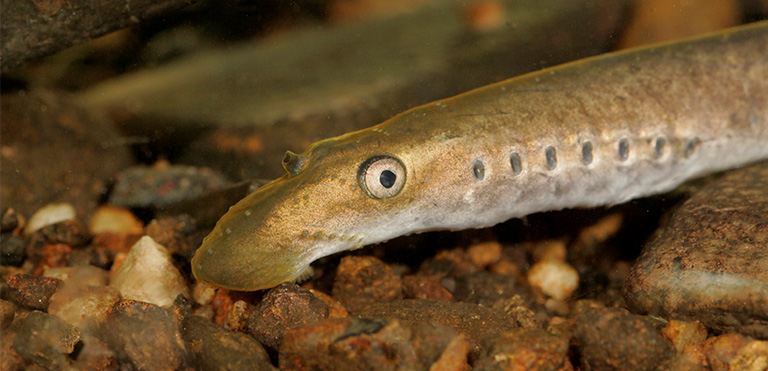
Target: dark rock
{"x":32,"y":292}
{"x":370,"y":344}
{"x":362,"y":281}
{"x":56,"y":151}
{"x":144,"y":335}
{"x":711,"y":262}
{"x":162,"y":185}
{"x":614,"y":339}
{"x":524,"y":349}
{"x":46,"y":340}
{"x":213,"y":348}
{"x":9,"y":220}
{"x":12,"y":250}
{"x":473,"y":321}
{"x":282,"y":308}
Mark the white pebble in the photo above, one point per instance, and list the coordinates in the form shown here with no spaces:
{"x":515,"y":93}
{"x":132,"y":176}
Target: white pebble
{"x":49,"y":214}
{"x":115,"y":220}
{"x":148,"y":274}
{"x":554,"y":278}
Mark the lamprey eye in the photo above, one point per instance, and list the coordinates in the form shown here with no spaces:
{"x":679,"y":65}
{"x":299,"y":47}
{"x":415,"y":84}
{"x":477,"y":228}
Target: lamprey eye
{"x":381,"y":176}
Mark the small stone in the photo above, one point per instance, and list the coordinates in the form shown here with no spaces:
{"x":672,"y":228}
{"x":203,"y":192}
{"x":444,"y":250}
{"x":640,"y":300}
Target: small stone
{"x":213,"y":348}
{"x":364,"y":280}
{"x":7,"y":311}
{"x":614,"y":339}
{"x":162,"y":185}
{"x":203,"y":293}
{"x":46,"y":340}
{"x":752,"y":357}
{"x":144,"y":335}
{"x":10,"y":220}
{"x":32,"y":291}
{"x":420,"y":286}
{"x":95,"y":354}
{"x":13,"y":250}
{"x":237,"y":318}
{"x":177,"y":233}
{"x":49,"y":214}
{"x":683,"y":334}
{"x":549,"y":249}
{"x":453,"y":263}
{"x":69,"y":232}
{"x":485,"y":253}
{"x":114,"y":219}
{"x":282,"y":308}
{"x":554,"y":278}
{"x":487,"y":289}
{"x":81,"y":275}
{"x":148,"y":274}
{"x":53,"y":255}
{"x":475,"y":322}
{"x":711,"y":262}
{"x":335,"y":309}
{"x":524,"y":349}
{"x":723,"y":349}
{"x":371,"y":344}
{"x":83,"y":306}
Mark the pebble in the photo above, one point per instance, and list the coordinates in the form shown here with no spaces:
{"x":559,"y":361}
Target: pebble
{"x":148,"y":274}
{"x":335,"y":308}
{"x":68,"y":232}
{"x":475,"y":322}
{"x":83,"y":306}
{"x":49,"y":214}
{"x":487,"y":289}
{"x":162,"y":185}
{"x":485,"y":253}
{"x":555,"y":278}
{"x":144,"y":335}
{"x":211,"y":347}
{"x":10,"y":220}
{"x":685,"y":334}
{"x":114,"y":219}
{"x":7,"y":311}
{"x":13,"y":250}
{"x":614,"y":339}
{"x":373,"y":344}
{"x":79,"y":275}
{"x":179,"y":234}
{"x":364,"y":280}
{"x":46,"y":340}
{"x":237,"y":317}
{"x":282,"y":308}
{"x":524,"y":349}
{"x":30,"y":291}
{"x":420,"y":286}
{"x":731,"y":352}
{"x":711,"y":262}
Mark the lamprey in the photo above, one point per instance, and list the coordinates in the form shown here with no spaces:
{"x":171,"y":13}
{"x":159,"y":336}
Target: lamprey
{"x":594,"y":132}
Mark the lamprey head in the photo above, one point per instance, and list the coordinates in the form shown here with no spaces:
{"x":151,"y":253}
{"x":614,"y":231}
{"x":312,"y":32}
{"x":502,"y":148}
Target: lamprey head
{"x":331,"y":200}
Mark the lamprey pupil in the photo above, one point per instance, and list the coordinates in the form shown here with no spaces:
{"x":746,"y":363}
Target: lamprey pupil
{"x":387,"y":178}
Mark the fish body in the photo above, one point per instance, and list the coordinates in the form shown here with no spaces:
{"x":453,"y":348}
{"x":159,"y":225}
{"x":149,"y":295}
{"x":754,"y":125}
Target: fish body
{"x":598,"y":131}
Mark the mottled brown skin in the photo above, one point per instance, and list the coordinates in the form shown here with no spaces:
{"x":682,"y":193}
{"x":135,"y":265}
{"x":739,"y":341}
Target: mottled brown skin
{"x":704,"y":99}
